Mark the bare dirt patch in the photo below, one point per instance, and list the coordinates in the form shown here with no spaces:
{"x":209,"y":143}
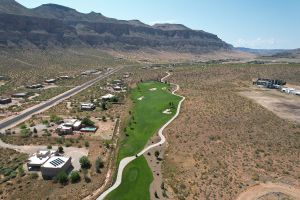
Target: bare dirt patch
{"x":269,"y":190}
{"x":223,"y":143}
{"x":283,"y":105}
{"x":105,"y":130}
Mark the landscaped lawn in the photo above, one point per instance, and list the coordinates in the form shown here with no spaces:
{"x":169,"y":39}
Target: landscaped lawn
{"x":146,"y":117}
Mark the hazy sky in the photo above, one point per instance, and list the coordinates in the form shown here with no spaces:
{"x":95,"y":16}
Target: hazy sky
{"x":248,"y":23}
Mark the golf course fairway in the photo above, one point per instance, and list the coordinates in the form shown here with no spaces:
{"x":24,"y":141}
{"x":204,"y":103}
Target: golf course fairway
{"x":150,"y":100}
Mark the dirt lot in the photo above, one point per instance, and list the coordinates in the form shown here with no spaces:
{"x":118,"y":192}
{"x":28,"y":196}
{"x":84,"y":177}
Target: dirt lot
{"x":282,"y":104}
{"x":228,"y":142}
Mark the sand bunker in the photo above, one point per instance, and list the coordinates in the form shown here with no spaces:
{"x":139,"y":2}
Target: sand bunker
{"x":167,"y":111}
{"x":153,"y":89}
{"x":141,"y":98}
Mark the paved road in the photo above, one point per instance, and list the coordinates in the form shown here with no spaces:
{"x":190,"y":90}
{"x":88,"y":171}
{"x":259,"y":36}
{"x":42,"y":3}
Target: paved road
{"x":24,"y":115}
{"x":124,"y":162}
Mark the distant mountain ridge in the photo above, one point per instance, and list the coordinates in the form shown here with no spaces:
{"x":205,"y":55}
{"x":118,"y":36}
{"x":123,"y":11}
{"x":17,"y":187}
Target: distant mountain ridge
{"x":52,"y":25}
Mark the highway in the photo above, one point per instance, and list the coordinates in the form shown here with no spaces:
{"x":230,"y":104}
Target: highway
{"x":26,"y":114}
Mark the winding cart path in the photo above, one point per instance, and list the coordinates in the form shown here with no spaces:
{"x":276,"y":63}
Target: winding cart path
{"x":124,"y":162}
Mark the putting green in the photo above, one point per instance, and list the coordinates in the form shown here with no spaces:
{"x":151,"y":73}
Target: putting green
{"x":149,"y":99}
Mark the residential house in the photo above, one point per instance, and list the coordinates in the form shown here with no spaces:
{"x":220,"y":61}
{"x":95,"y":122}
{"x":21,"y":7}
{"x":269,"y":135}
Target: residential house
{"x":55,"y":165}
{"x":5,"y":100}
{"x":87,"y":106}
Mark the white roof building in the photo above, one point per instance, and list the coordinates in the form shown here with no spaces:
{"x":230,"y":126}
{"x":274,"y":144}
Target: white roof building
{"x":87,"y":106}
{"x":39,"y":158}
{"x":107,"y":96}
{"x":55,"y":165}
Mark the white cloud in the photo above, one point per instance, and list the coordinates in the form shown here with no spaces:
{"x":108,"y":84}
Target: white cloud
{"x":258,"y":43}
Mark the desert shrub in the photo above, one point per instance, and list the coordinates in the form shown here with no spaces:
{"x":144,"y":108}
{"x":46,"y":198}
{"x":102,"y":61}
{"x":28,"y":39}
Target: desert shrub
{"x":88,"y":122}
{"x":21,"y":171}
{"x":87,"y":178}
{"x":99,"y":164}
{"x":103,"y":106}
{"x":25,"y":133}
{"x":62,"y":178}
{"x":45,"y":122}
{"x":60,"y":149}
{"x":84,"y":162}
{"x":60,"y":140}
{"x":68,"y":144}
{"x":34,"y":175}
{"x":75,"y":177}
{"x":23,"y":126}
{"x":55,"y":119}
{"x":86,"y":143}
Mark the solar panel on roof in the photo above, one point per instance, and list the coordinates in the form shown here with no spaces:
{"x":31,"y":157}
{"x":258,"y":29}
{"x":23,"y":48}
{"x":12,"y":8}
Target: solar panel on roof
{"x":57,"y":162}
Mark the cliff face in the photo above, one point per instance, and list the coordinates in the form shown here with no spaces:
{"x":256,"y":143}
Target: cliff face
{"x":52,"y":25}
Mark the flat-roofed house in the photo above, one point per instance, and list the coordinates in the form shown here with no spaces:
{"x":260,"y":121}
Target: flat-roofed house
{"x":107,"y":97}
{"x":5,"y":100}
{"x":64,"y":129}
{"x":87,"y":106}
{"x":20,"y":95}
{"x":52,"y":80}
{"x":35,"y":86}
{"x":55,"y":165}
{"x":77,"y":125}
{"x":39,"y":158}
{"x":69,"y":126}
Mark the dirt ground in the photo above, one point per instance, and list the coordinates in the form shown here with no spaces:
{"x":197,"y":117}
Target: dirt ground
{"x":222,"y":142}
{"x":105,"y":130}
{"x":282,"y":104}
{"x":266,"y":191}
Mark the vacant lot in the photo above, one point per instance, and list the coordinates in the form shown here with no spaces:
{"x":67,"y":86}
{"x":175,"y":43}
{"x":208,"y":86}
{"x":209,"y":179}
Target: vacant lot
{"x":222,"y":142}
{"x":283,"y":105}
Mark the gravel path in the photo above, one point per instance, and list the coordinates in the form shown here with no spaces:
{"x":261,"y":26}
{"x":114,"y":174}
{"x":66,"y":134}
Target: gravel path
{"x":124,"y":162}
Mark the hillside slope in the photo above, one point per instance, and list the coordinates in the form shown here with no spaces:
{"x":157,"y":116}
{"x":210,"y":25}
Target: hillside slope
{"x":53,"y":25}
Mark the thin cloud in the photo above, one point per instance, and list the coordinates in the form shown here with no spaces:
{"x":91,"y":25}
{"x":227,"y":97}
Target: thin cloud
{"x":256,"y":43}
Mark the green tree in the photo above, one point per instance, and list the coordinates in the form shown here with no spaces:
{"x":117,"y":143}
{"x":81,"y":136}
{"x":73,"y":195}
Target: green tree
{"x":60,"y":149}
{"x":84,"y":162}
{"x":88,"y":122}
{"x":62,"y":178}
{"x":75,"y":177}
{"x":103,"y":106}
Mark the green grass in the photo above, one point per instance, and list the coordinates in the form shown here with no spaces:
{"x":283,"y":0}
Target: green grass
{"x":137,"y":178}
{"x":146,"y":118}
